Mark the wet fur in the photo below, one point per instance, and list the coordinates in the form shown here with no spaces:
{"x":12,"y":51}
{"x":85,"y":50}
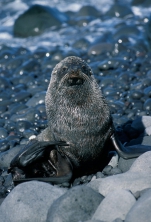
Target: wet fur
{"x":78,"y":115}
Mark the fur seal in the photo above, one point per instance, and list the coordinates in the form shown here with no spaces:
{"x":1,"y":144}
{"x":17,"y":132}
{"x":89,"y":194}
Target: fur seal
{"x":79,"y":115}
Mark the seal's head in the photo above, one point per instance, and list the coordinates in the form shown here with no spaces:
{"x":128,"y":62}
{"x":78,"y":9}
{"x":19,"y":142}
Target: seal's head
{"x":72,"y":79}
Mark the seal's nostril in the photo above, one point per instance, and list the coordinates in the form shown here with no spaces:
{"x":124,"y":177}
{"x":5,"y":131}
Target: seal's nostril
{"x":75,"y":81}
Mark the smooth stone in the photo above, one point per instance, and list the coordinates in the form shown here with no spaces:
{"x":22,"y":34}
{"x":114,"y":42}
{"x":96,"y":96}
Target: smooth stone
{"x":23,"y":125}
{"x":141,"y":123}
{"x":119,"y":10}
{"x":3,"y":133}
{"x":115,"y":205}
{"x":4,"y":145}
{"x":7,"y":156}
{"x":38,"y":98}
{"x":31,"y":24}
{"x":136,"y":179}
{"x":100,"y":48}
{"x":148,"y":131}
{"x":147,"y":105}
{"x":29,"y":115}
{"x":29,"y":201}
{"x":147,"y":91}
{"x":144,"y":140}
{"x":141,"y":209}
{"x":20,"y":96}
{"x":78,"y":204}
{"x":124,"y":165}
{"x":88,"y":10}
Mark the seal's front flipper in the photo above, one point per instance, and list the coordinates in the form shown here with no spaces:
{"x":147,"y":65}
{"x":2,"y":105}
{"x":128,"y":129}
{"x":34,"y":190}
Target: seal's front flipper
{"x":57,"y":170}
{"x":33,"y":151}
{"x":128,"y":152}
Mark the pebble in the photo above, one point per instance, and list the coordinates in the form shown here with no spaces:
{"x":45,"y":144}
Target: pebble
{"x":3,"y":133}
{"x":33,"y":199}
{"x":38,"y":98}
{"x":116,"y":205}
{"x":78,"y":204}
{"x":139,"y":171}
{"x":141,"y":209}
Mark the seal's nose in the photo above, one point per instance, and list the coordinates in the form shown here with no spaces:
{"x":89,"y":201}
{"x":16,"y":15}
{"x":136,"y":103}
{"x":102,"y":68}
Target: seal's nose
{"x":74,"y":81}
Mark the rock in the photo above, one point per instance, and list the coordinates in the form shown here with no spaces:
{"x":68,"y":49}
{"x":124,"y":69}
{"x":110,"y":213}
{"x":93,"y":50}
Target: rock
{"x":141,"y":123}
{"x":3,"y":133}
{"x":136,"y":179}
{"x":88,"y":10}
{"x":29,"y":201}
{"x":38,"y":98}
{"x":7,"y":156}
{"x":124,"y":165}
{"x":100,"y":48}
{"x":119,"y":10}
{"x":37,"y":19}
{"x":141,"y":209}
{"x":78,"y":204}
{"x":116,"y":205}
{"x":147,"y":105}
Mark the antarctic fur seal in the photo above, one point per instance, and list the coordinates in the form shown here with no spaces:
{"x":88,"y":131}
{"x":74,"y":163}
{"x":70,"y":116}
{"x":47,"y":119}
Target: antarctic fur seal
{"x":79,"y":127}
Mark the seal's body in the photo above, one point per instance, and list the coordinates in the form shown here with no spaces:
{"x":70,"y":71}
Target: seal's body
{"x":77,"y":112}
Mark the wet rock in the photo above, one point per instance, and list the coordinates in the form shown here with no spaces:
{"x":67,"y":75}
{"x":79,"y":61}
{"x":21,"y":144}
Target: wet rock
{"x":119,"y":10}
{"x":23,"y":125}
{"x":141,"y":123}
{"x":33,"y":200}
{"x":141,"y":209}
{"x":100,"y":48}
{"x":29,"y":115}
{"x":4,"y":145}
{"x":116,"y":205}
{"x":21,"y":96}
{"x":3,"y":133}
{"x":143,"y":3}
{"x":38,"y":98}
{"x":7,"y":156}
{"x":36,"y":20}
{"x":78,"y":204}
{"x":88,"y":10}
{"x":147,"y":105}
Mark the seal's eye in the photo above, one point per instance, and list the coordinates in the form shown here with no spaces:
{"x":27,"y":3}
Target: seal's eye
{"x":64,"y":68}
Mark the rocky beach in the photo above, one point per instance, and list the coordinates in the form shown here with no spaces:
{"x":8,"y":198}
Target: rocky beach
{"x":114,"y":38}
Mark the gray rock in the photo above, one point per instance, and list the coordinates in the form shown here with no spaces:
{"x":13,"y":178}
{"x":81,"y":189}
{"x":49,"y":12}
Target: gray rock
{"x":38,"y":98}
{"x":37,"y":19}
{"x":7,"y":156}
{"x":141,"y":123}
{"x":28,"y":202}
{"x":148,"y":131}
{"x":136,"y":179}
{"x":78,"y":204}
{"x":124,"y":165}
{"x":141,"y":209}
{"x":116,"y":205}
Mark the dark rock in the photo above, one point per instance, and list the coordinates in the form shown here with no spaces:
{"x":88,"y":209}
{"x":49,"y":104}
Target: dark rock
{"x":33,"y":200}
{"x":37,"y":19}
{"x":21,"y":96}
{"x":143,"y":3}
{"x":88,"y":10}
{"x":119,"y":10}
{"x":141,"y":123}
{"x":3,"y":133}
{"x":78,"y":204}
{"x":100,"y":48}
{"x":38,"y":98}
{"x":23,"y":125}
{"x":4,"y":145}
{"x":147,"y":105}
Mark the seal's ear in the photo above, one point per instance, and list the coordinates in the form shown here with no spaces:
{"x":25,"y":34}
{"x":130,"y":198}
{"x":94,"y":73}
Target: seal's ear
{"x":128,"y":152}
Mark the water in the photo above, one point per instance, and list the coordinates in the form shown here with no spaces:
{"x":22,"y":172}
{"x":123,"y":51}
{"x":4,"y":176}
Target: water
{"x":11,"y":9}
